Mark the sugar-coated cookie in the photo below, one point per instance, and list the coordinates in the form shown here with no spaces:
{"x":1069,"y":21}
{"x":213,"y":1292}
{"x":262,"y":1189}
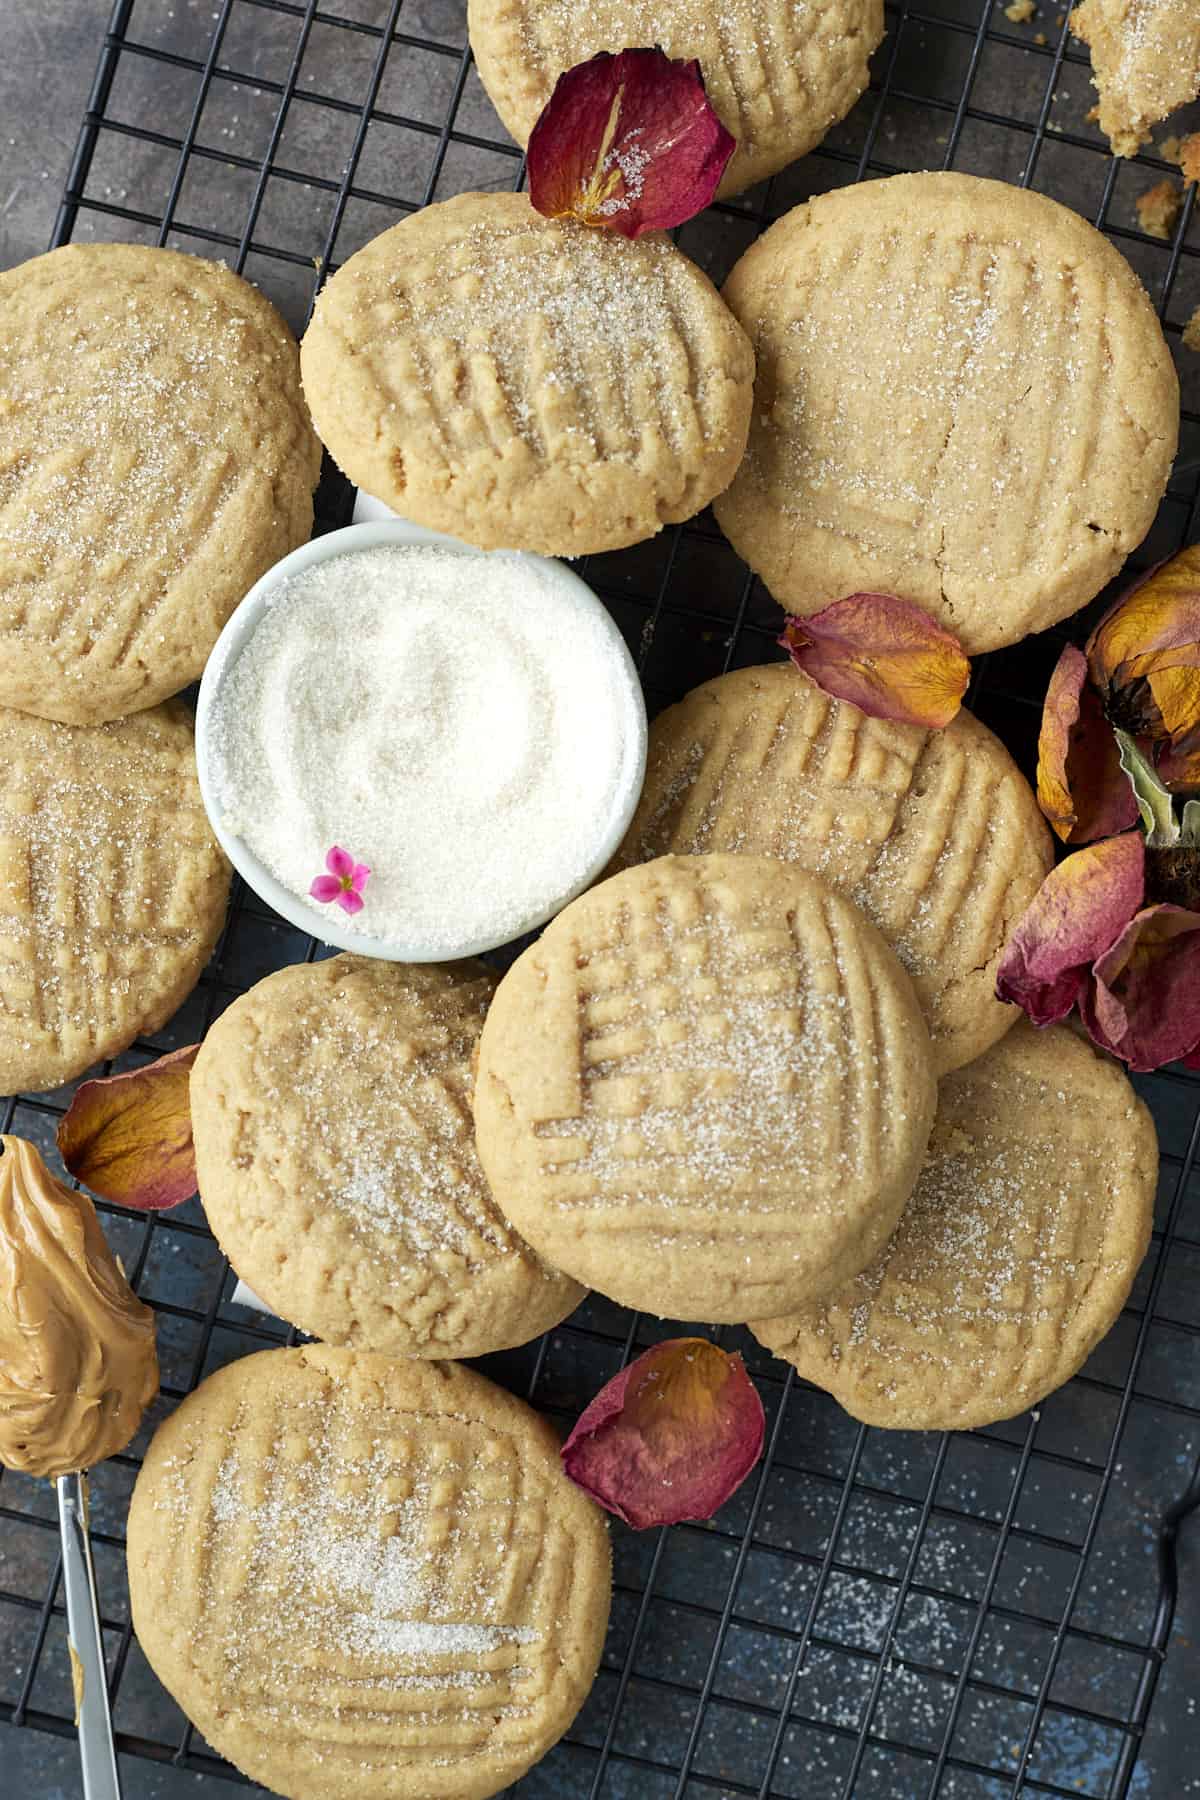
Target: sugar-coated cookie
{"x":335,"y":1152}
{"x":527,"y":383}
{"x":935,"y":834}
{"x":707,"y":1085}
{"x":155,"y":459}
{"x":1015,"y":1255}
{"x":364,"y":1579}
{"x":112,"y":888}
{"x":963,"y":397}
{"x":779,"y":76}
{"x":1145,"y":63}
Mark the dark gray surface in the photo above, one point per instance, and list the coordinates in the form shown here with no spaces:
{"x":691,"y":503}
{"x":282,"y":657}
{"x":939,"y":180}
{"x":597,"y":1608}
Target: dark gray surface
{"x":47,"y":54}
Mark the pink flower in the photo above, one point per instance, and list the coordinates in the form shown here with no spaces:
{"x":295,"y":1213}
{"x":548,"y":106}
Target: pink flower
{"x":344,"y":883}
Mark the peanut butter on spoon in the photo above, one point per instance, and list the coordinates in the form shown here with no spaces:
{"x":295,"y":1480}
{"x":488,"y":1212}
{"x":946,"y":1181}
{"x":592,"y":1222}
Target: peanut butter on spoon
{"x":77,"y":1357}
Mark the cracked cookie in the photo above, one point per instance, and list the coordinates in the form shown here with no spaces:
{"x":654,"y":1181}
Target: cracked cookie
{"x":335,"y":1156}
{"x":527,"y":383}
{"x":706,"y":1087}
{"x":1145,"y":63}
{"x":936,"y":835}
{"x":963,"y":397}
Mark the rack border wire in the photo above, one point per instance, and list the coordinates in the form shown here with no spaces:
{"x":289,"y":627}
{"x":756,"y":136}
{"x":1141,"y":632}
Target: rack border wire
{"x":601,"y":1760}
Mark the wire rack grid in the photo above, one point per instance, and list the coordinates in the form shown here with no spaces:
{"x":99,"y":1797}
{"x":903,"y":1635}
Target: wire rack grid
{"x":875,"y":1616}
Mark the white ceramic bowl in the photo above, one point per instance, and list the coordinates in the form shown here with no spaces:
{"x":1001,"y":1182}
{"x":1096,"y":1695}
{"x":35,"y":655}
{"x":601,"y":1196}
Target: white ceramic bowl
{"x":307,"y":916}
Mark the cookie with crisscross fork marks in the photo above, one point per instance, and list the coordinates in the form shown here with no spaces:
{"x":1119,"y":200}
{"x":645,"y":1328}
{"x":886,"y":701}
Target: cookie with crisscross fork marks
{"x":366,"y":1579}
{"x":156,"y":458}
{"x":112,"y":888}
{"x":779,"y":73}
{"x":527,"y":383}
{"x":1014,"y":1257}
{"x":935,"y":834}
{"x":335,"y":1152}
{"x":963,"y":397}
{"x":708,"y":1082}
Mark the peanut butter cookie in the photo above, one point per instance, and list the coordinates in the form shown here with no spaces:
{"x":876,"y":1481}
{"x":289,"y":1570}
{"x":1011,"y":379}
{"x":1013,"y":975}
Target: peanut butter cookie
{"x":527,"y":383}
{"x":963,"y":397}
{"x":1015,"y":1256}
{"x":364,"y":1579}
{"x":936,"y":835}
{"x":155,"y":459}
{"x":335,"y":1151}
{"x":778,"y":76}
{"x":707,"y":1083}
{"x":112,"y":888}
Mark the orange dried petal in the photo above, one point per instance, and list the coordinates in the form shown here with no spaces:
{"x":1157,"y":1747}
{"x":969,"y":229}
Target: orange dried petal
{"x":671,"y":1437}
{"x":884,"y":655}
{"x":128,"y":1137}
{"x":1081,"y":787}
{"x":1145,"y":653}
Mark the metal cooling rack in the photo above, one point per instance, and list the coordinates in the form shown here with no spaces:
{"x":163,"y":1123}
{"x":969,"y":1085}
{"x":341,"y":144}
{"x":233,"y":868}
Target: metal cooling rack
{"x":875,"y":1616}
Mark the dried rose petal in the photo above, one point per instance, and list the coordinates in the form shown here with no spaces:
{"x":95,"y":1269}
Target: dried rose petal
{"x":1144,"y":655}
{"x":129,"y":1137}
{"x":629,"y":142}
{"x":885,"y":655}
{"x":1081,"y":786}
{"x":1143,"y":1002}
{"x":671,"y":1437}
{"x":1077,"y":914}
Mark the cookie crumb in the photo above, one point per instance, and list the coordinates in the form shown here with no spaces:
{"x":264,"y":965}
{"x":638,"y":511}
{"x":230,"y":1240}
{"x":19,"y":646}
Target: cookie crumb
{"x":1189,"y":157}
{"x":1171,"y":148}
{"x":1020,"y":11}
{"x":1158,"y":209}
{"x":1191,"y":332}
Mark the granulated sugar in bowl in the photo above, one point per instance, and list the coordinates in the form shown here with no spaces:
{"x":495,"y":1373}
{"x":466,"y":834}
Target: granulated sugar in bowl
{"x":446,"y":744}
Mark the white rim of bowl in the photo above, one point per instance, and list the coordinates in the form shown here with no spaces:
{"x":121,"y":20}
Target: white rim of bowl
{"x":237,"y":633}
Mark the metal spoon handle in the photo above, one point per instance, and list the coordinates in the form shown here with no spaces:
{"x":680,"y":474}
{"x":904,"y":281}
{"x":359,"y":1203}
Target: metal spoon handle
{"x":96,"y":1752}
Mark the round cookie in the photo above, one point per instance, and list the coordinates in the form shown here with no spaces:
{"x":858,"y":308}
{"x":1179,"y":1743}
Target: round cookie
{"x":706,"y":1086}
{"x":1015,"y":1256}
{"x":335,"y":1154}
{"x":778,"y":76}
{"x":963,"y":397}
{"x":365,"y":1579}
{"x":112,"y":888}
{"x":936,"y":835}
{"x":155,"y":459}
{"x":526,"y":383}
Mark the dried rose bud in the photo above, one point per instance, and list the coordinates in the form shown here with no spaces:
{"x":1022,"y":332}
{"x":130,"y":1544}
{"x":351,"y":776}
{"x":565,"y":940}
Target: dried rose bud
{"x":1144,"y":656}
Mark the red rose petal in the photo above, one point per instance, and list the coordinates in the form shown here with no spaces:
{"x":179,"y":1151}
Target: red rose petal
{"x":885,"y":655}
{"x":129,"y":1137}
{"x":671,"y":1437}
{"x":1077,"y":914}
{"x":1143,"y":1002}
{"x":1081,"y":786}
{"x":629,"y":142}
